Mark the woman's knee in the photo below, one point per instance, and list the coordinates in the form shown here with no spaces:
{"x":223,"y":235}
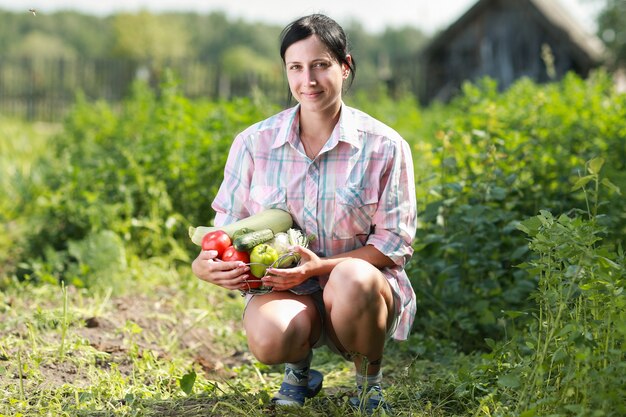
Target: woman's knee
{"x":265,"y":341}
{"x":355,"y":279}
{"x":357,"y":289}
{"x":278,"y":331}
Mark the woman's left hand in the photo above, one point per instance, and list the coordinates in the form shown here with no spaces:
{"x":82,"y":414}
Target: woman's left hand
{"x":284,"y":279}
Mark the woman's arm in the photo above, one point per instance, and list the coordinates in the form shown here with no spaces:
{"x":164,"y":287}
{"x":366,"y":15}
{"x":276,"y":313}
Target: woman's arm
{"x":229,"y":207}
{"x":312,"y":265}
{"x":229,"y":275}
{"x":367,"y":253}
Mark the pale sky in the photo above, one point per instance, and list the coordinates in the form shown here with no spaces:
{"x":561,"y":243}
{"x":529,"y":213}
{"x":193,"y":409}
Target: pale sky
{"x":374,"y":15}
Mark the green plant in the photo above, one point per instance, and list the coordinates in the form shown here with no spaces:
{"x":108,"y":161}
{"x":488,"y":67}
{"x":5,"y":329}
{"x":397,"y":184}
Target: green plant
{"x":496,"y":159}
{"x":133,"y":180}
{"x":576,"y":363}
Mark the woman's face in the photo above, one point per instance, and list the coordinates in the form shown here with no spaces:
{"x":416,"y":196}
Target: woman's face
{"x":315,"y":77}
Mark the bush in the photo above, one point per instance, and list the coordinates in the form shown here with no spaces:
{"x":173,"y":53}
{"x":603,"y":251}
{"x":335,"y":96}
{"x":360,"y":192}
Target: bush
{"x":145,"y":173}
{"x":569,"y":359}
{"x":483,"y":163}
{"x":501,"y":158}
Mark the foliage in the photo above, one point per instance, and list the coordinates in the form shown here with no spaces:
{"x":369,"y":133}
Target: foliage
{"x":502,"y":158}
{"x":145,"y":37}
{"x":21,"y":181}
{"x":86,"y":36}
{"x":518,"y":265}
{"x":128,"y":45}
{"x":612,"y":30}
{"x":237,"y":61}
{"x":566,"y":357}
{"x":576,"y":361}
{"x":571,"y":361}
{"x":42,"y":45}
{"x":145,"y":174}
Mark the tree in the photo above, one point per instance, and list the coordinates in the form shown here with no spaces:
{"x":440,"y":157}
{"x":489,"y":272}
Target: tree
{"x":242,"y":60}
{"x":41,"y":45}
{"x":612,"y":30}
{"x":148,"y":37}
{"x":90,"y":36}
{"x":70,"y":34}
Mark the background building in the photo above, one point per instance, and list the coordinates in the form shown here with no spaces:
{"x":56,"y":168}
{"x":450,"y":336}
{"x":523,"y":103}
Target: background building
{"x":507,"y":40}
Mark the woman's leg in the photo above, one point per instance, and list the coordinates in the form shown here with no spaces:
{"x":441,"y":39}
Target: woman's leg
{"x":281,"y":327}
{"x":359,"y":306}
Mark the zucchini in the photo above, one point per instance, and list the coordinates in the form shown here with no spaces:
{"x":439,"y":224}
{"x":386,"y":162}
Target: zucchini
{"x":276,"y":220}
{"x":247,"y":242}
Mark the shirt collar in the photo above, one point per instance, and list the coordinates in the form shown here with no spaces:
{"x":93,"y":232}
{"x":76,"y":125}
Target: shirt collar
{"x":348,"y":131}
{"x":288,"y":132}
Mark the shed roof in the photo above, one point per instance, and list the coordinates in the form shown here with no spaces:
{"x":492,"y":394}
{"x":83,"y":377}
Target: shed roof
{"x":555,"y":18}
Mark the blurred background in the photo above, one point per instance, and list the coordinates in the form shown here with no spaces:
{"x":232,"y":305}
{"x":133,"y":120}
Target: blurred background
{"x":50,"y":51}
{"x":116,"y":118}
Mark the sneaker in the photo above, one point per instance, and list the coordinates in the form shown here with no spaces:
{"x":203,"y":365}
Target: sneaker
{"x":294,"y":395}
{"x":371,"y":401}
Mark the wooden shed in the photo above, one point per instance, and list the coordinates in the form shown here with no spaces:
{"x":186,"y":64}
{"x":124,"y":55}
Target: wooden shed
{"x":507,"y":40}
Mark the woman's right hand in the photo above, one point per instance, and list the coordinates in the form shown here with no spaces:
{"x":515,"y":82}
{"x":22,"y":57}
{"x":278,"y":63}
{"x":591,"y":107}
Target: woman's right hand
{"x":226,"y":274}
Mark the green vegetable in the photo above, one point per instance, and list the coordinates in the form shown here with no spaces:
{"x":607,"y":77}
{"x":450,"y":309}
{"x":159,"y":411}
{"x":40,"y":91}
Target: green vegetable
{"x":275,"y":219}
{"x":287,"y":260}
{"x":247,"y":242}
{"x":297,"y":238}
{"x":280,"y":243}
{"x":293,"y":237}
{"x":241,"y":232}
{"x":261,"y":257}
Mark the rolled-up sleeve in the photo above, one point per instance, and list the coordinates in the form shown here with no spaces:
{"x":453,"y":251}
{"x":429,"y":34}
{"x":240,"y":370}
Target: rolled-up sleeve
{"x":229,"y":203}
{"x":395,"y":219}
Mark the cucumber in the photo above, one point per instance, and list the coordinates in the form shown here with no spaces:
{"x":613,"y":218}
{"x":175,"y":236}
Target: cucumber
{"x":241,"y":232}
{"x":247,"y":242}
{"x":275,"y":219}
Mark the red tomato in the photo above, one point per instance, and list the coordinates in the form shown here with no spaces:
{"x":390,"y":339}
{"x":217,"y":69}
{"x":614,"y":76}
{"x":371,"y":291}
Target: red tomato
{"x":232,"y":254}
{"x":253,"y":282}
{"x":217,"y":241}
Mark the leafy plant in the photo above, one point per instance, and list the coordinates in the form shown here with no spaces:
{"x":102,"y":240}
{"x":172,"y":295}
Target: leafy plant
{"x":138,"y":177}
{"x":499,"y":158}
{"x":576,"y":361}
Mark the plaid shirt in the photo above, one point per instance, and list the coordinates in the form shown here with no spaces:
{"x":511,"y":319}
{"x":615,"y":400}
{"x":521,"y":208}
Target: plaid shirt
{"x":358,"y":191}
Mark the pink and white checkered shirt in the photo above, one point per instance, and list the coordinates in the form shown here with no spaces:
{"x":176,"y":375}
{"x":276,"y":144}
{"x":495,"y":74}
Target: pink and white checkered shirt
{"x":359,"y":190}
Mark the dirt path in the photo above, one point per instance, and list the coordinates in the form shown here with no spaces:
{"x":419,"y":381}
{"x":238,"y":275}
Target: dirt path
{"x":130,"y":325}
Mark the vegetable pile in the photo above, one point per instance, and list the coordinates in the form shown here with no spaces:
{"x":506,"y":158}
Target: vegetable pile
{"x":262,"y":240}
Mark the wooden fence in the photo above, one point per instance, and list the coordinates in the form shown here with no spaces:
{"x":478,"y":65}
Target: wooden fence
{"x":44,"y":89}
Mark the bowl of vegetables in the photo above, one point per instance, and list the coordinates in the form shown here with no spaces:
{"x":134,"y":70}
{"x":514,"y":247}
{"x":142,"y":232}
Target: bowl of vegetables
{"x":263,"y":240}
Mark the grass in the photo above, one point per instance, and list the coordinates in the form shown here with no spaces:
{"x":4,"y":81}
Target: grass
{"x":152,"y":340}
{"x":20,"y":145}
{"x":149,"y":339}
{"x":66,"y":351}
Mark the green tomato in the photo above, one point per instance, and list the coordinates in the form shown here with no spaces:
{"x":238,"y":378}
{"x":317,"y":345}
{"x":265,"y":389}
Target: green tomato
{"x":261,"y":257}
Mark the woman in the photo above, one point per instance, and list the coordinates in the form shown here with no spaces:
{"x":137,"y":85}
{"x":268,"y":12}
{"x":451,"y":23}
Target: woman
{"x":345,"y":178}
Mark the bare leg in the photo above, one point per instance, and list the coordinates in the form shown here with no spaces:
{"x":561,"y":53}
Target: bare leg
{"x":359,"y":305}
{"x":281,"y":327}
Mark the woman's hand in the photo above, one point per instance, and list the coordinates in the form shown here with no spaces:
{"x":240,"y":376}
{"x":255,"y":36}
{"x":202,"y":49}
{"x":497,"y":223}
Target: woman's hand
{"x":229,"y":275}
{"x":284,"y":279}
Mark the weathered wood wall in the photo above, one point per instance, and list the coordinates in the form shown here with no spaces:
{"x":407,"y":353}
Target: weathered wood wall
{"x":506,"y":41}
